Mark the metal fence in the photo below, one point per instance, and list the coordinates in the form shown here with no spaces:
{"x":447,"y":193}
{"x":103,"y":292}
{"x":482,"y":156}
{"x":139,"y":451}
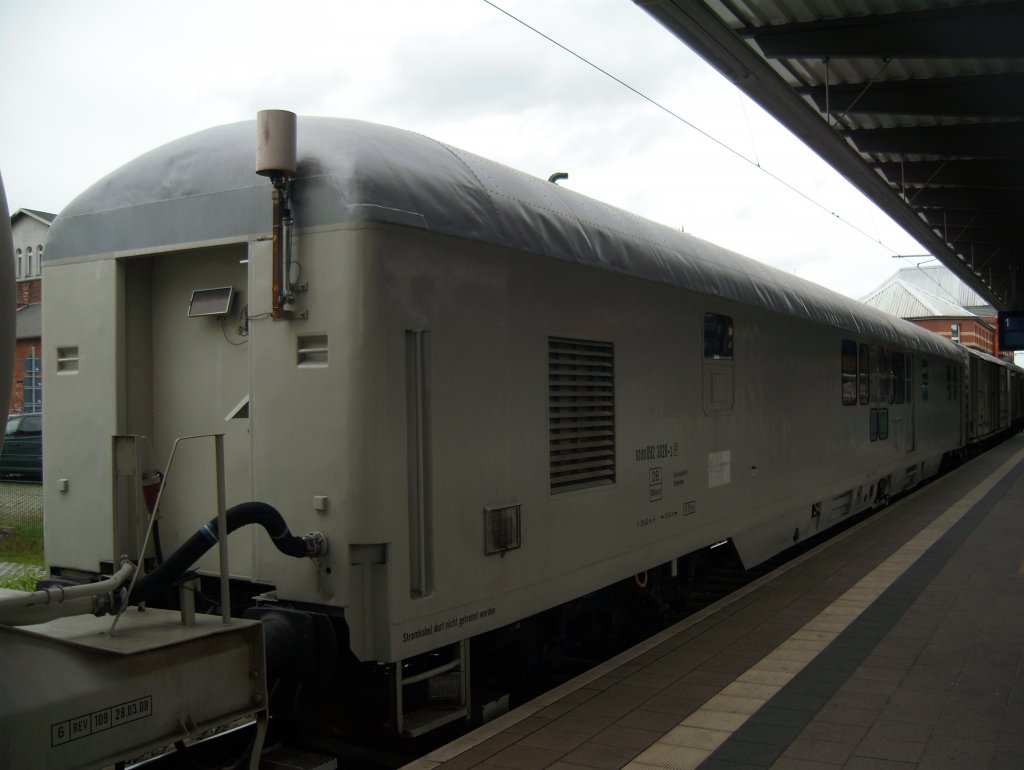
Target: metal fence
{"x":21,"y":522}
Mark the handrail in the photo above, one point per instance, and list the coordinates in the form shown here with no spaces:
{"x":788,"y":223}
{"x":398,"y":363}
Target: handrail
{"x":225,"y":593}
{"x":442,"y":669}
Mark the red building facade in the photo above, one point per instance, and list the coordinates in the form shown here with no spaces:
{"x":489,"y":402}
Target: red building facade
{"x":29,"y":232}
{"x":971,"y":332}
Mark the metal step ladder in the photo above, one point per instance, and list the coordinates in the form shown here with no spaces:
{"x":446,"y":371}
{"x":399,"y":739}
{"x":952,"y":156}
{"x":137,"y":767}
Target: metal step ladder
{"x":447,"y":694}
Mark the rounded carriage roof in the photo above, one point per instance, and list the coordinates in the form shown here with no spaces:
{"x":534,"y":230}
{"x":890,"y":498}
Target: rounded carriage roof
{"x":204,"y":187}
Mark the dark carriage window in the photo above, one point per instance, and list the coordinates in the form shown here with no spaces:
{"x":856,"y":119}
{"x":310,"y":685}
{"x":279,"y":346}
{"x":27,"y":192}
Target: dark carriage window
{"x":873,"y":366}
{"x":884,"y":376}
{"x":878,"y":425}
{"x":899,"y":375}
{"x":924,"y":379}
{"x":849,"y":374}
{"x":864,"y":375}
{"x":717,"y":336}
{"x":910,"y":379}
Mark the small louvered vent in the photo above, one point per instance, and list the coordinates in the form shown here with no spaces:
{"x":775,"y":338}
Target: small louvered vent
{"x":581,"y":413}
{"x":311,"y":351}
{"x":67,"y":360}
{"x":502,"y":529}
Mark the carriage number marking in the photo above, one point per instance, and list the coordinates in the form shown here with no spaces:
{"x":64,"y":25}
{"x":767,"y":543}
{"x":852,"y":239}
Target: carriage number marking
{"x":98,"y":721}
{"x":657,"y":452}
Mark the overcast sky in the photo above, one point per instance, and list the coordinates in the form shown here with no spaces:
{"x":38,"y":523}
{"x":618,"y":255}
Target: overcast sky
{"x":91,"y":84}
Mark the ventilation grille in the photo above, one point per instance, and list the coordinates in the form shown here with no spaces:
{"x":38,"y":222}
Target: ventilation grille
{"x":501,"y":529}
{"x":311,"y":351}
{"x":67,"y":360}
{"x":581,"y":413}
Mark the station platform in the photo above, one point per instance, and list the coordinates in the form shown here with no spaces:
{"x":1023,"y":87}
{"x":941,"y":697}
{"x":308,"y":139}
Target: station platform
{"x":897,"y":644}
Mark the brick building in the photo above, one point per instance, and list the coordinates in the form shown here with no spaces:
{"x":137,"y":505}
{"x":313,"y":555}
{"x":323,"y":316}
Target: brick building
{"x":29,"y":231}
{"x":936,"y":300}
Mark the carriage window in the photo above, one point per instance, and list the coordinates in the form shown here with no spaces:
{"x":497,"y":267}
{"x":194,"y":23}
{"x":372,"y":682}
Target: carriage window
{"x":899,"y":373}
{"x":883,"y":361}
{"x":864,"y":376}
{"x":910,"y":379}
{"x":849,"y":377}
{"x":873,"y":356}
{"x":878,"y":425}
{"x":717,"y":336}
{"x":924,"y":379}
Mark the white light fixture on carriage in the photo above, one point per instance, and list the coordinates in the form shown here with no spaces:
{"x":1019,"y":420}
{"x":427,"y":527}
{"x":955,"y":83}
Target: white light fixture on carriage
{"x":276,"y":153}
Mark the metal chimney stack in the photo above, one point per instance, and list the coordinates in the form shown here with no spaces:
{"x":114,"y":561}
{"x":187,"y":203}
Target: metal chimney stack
{"x":276,"y":158}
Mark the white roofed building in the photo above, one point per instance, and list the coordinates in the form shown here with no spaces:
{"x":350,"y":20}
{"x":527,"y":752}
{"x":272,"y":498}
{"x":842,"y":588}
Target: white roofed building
{"x":935,"y":299}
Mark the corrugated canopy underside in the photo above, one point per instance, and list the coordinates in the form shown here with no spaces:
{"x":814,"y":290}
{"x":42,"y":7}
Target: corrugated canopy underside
{"x":919,"y":103}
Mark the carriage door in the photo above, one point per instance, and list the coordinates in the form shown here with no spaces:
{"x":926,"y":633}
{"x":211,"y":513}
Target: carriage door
{"x":196,"y":365}
{"x":718,"y":364}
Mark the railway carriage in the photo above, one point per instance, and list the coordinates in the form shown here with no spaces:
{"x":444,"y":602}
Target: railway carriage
{"x":490,"y":394}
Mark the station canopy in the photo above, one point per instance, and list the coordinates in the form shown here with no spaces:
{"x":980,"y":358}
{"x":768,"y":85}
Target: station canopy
{"x":919,"y":103}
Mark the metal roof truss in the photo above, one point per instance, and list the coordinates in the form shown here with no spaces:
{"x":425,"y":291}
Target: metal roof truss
{"x":919,"y":103}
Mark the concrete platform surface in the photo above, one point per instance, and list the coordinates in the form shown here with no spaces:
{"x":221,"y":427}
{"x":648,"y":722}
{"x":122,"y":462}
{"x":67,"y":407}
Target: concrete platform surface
{"x":897,"y":644}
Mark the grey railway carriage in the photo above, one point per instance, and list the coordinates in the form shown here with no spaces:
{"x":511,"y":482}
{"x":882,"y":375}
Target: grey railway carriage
{"x":490,"y":394}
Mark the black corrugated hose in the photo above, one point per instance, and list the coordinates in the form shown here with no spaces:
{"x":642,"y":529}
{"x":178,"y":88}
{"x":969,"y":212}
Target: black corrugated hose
{"x":189,"y":553}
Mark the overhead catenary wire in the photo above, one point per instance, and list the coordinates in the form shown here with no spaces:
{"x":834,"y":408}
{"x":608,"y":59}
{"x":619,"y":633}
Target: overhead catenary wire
{"x":755,"y":163}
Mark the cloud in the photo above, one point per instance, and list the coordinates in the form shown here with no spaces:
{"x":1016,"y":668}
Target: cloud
{"x":100,"y":83}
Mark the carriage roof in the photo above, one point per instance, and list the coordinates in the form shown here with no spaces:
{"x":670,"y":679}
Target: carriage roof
{"x":203,"y":188}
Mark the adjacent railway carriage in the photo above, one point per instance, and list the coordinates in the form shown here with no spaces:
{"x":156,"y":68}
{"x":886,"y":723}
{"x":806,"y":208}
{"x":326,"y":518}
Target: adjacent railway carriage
{"x":491,"y":395}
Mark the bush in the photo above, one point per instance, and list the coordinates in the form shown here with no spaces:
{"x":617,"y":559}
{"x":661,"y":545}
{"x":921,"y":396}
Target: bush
{"x":23,"y":582}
